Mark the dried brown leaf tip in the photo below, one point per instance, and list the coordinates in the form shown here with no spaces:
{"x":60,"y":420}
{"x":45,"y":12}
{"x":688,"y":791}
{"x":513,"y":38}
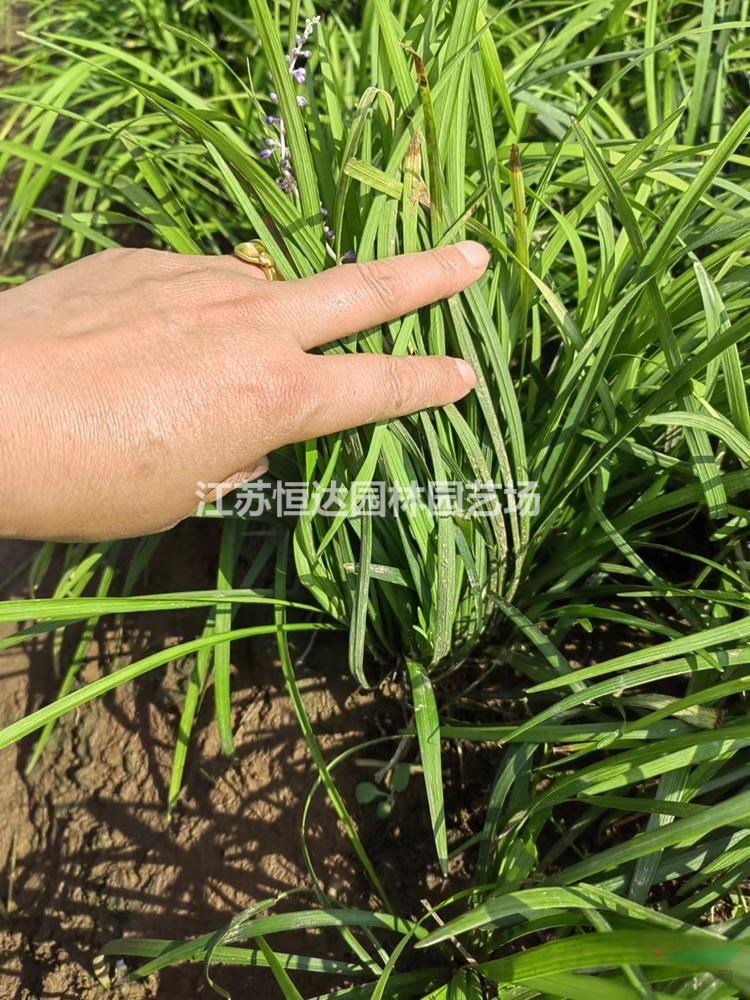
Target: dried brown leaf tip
{"x":419,"y":67}
{"x":514,"y":163}
{"x":412,"y":168}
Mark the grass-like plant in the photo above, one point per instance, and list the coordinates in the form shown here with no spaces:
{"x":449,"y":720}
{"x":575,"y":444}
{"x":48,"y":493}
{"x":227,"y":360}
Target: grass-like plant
{"x":600,"y":151}
{"x":82,"y":132}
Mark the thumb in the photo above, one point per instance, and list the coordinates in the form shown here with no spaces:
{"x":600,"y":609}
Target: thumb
{"x":236,"y":480}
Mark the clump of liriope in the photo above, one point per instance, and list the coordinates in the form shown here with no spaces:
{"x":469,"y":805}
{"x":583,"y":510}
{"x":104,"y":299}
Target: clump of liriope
{"x":578,"y":334}
{"x":605,"y":165}
{"x":608,"y":345}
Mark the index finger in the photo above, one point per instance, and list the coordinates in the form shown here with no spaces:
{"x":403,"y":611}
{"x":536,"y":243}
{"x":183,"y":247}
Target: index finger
{"x":355,"y":297}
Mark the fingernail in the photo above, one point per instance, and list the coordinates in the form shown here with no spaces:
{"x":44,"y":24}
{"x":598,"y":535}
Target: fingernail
{"x":466,"y":372}
{"x":475,"y":253}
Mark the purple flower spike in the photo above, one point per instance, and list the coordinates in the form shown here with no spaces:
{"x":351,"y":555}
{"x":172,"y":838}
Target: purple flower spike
{"x":277,"y":142}
{"x":349,"y":257}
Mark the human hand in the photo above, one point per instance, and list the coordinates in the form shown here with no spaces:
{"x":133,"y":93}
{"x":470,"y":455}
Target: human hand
{"x":131,"y":375}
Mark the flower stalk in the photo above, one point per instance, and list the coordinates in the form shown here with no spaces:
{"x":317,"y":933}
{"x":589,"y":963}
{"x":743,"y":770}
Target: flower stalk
{"x":276,"y":144}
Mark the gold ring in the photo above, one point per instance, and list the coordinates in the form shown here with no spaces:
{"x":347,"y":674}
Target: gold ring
{"x":253,"y":252}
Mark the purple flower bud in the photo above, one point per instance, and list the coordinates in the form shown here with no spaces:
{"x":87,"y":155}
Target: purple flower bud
{"x":299,"y":75}
{"x":265,"y":154}
{"x":328,"y":233}
{"x":271,"y":120}
{"x":349,"y":257}
{"x":273,"y":97}
{"x":270,"y":142}
{"x":305,"y":53}
{"x":324,"y":211}
{"x":298,"y":39}
{"x":302,"y":101}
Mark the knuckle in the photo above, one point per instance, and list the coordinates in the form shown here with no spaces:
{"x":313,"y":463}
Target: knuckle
{"x":447,"y":262}
{"x":148,"y":261}
{"x":145,"y":254}
{"x":113,"y":254}
{"x":238,"y":304}
{"x":399,"y":384}
{"x":152,"y":262}
{"x":299,"y":395}
{"x":197,"y":285}
{"x":383,"y":283}
{"x":207,"y":300}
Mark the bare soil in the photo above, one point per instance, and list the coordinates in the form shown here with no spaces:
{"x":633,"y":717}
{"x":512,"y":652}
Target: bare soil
{"x":94,"y":857}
